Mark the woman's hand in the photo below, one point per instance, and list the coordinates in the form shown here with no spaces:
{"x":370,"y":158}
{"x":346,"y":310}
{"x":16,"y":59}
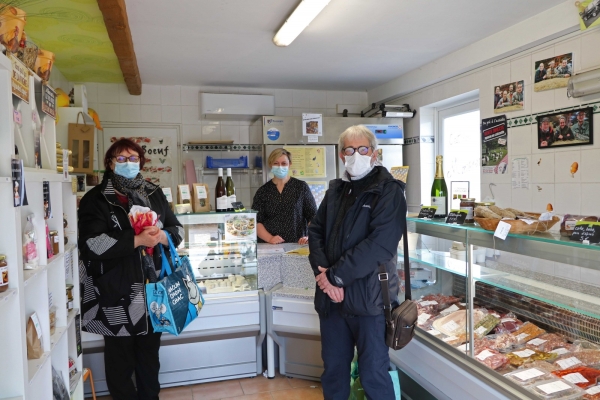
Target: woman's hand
{"x":149,"y":237}
{"x":303,"y":240}
{"x":276,"y":239}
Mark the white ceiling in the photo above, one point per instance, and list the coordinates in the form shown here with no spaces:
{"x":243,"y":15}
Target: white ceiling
{"x":351,"y":45}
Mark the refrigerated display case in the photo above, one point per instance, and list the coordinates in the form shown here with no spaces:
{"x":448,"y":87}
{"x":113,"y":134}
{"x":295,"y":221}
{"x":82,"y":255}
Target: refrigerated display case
{"x":502,"y":318}
{"x":225,"y":341}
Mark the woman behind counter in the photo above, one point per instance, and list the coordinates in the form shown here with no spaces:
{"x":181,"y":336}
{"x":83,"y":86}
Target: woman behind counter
{"x":285,"y":205}
{"x":112,"y":285}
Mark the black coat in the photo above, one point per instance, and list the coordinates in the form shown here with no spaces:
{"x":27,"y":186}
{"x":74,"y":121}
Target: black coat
{"x":110,"y":269}
{"x":371,"y":231}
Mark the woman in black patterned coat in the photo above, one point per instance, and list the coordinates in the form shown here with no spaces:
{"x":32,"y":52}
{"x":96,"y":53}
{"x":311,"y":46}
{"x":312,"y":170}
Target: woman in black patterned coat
{"x":113,"y":270}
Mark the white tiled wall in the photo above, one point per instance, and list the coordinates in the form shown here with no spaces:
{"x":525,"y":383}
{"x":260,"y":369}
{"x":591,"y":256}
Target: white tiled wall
{"x":550,"y":177}
{"x":179,"y":105}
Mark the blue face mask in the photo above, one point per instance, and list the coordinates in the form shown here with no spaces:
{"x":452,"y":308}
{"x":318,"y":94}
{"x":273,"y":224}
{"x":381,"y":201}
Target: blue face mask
{"x":279,"y":172}
{"x":127,"y":169}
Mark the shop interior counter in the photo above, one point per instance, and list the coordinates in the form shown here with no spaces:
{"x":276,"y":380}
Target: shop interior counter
{"x":499,"y":319}
{"x":225,"y":341}
{"x":292,"y":322}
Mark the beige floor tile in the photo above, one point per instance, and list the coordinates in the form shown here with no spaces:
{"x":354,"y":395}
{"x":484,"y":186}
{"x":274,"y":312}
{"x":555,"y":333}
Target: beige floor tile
{"x":298,"y":394}
{"x":176,"y":393}
{"x":262,"y":384}
{"x":255,"y":396}
{"x":217,"y":390}
{"x":297,"y":382}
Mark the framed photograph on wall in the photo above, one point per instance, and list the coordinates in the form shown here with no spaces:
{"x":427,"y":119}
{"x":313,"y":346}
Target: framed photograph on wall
{"x":552,"y":73}
{"x":572,"y":128}
{"x":508,"y":97}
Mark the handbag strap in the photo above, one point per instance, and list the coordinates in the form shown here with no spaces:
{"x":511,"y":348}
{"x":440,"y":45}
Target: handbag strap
{"x":383,"y":278}
{"x":166,"y":270}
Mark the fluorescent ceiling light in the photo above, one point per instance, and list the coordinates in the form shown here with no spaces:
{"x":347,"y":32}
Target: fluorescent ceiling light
{"x":303,"y":15}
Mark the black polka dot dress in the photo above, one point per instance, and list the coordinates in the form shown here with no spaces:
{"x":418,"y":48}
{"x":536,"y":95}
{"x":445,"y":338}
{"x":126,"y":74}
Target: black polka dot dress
{"x":285,"y":214}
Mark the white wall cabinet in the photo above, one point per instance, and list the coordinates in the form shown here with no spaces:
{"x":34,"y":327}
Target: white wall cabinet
{"x":36,"y":290}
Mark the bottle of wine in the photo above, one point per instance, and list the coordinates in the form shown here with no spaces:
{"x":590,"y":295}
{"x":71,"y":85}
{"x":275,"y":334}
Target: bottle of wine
{"x":230,"y":191}
{"x":439,"y":190}
{"x":221,"y":193}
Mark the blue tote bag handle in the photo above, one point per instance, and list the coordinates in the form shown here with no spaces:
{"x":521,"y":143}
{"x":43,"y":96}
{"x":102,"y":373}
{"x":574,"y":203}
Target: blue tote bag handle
{"x":166,"y":267}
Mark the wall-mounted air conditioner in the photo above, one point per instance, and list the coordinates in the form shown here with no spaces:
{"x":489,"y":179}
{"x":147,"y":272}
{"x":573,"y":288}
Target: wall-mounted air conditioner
{"x":235,"y":106}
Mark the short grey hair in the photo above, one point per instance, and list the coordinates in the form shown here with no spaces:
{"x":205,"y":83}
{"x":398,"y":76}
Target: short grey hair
{"x":355,"y":132}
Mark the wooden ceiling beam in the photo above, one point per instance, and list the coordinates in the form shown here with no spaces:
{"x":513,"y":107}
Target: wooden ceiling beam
{"x":117,"y":25}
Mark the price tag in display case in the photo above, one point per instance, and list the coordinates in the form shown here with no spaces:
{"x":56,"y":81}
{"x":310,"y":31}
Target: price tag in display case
{"x":585,"y":230}
{"x":457,"y":217}
{"x":427,"y":212}
{"x":502,"y":230}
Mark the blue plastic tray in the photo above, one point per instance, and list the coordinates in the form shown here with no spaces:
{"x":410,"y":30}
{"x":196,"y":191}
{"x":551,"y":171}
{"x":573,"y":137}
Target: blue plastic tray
{"x":241,"y":162}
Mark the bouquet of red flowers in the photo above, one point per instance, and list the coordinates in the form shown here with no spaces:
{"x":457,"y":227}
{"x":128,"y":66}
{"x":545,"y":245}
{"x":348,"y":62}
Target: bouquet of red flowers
{"x":141,"y":217}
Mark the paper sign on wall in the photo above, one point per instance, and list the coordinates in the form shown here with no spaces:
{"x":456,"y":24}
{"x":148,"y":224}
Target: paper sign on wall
{"x":312,"y":125}
{"x":494,"y":147}
{"x":19,"y":79}
{"x":307,"y":162}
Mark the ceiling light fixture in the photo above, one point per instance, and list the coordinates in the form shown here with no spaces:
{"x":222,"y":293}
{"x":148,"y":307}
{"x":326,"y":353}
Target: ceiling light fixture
{"x":303,"y":15}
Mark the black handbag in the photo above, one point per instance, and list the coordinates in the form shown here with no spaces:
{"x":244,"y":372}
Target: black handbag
{"x":399,"y":322}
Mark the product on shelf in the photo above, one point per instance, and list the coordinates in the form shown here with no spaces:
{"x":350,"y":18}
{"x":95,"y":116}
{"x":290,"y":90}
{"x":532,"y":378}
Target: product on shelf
{"x":528,"y":376}
{"x":520,"y":357}
{"x":492,"y":358}
{"x":580,"y":376}
{"x":43,"y":64}
{"x":3,"y":273}
{"x":486,"y":325}
{"x":543,"y":365}
{"x":504,"y":342}
{"x":442,"y":301}
{"x":439,"y":190}
{"x":455,"y":323}
{"x":570,"y":220}
{"x":592,"y":393}
{"x":52,"y":315}
{"x":59,"y":389}
{"x":580,"y":345}
{"x":567,"y":362}
{"x":33,"y":334}
{"x":588,"y":357}
{"x":526,"y":332}
{"x":30,"y":253}
{"x":54,"y":239}
{"x":49,"y":249}
{"x":547,"y":342}
{"x":508,"y":324}
{"x":555,"y":389}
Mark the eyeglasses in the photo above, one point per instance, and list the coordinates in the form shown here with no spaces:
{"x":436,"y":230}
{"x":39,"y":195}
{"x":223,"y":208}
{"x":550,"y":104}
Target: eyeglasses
{"x":122,"y":159}
{"x":362,"y":150}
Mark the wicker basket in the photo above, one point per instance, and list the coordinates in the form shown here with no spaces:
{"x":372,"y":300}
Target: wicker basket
{"x":518,"y":226}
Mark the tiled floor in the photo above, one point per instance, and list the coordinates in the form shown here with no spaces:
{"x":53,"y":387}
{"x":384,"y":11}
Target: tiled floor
{"x":258,"y":388}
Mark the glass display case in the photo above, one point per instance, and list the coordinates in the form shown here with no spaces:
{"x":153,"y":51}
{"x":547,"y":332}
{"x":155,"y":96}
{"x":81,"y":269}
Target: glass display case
{"x":222,"y":250}
{"x":521,"y":315}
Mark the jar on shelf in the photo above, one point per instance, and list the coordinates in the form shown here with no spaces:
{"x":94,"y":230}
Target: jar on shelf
{"x":468,"y":204}
{"x":485,"y":204}
{"x":3,"y":273}
{"x":54,"y":240}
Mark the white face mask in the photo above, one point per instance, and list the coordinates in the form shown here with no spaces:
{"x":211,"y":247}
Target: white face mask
{"x":357,"y":164}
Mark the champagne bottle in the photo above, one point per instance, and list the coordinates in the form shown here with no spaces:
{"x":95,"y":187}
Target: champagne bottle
{"x":220,"y":193}
{"x":230,"y":191}
{"x":439,"y":190}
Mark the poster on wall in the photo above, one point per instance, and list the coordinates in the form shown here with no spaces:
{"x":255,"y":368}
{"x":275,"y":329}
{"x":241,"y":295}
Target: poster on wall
{"x":307,"y":162}
{"x":589,"y":13}
{"x":48,"y":101}
{"x":553,"y":73}
{"x":312,"y":127}
{"x":19,"y":79}
{"x":573,"y":128}
{"x":508,"y":97}
{"x":494,"y":145}
{"x":158,"y":168}
{"x":318,"y":190}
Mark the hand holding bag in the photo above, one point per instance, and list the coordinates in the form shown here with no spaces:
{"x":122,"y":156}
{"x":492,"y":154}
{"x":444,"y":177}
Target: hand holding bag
{"x":175,"y":300}
{"x":399,"y":322}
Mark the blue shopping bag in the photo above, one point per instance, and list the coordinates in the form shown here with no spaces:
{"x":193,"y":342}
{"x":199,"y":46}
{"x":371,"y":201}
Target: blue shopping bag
{"x":175,"y":300}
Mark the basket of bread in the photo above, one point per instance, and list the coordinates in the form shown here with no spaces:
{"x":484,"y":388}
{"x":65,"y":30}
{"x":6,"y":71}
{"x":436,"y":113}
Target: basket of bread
{"x":519,"y":221}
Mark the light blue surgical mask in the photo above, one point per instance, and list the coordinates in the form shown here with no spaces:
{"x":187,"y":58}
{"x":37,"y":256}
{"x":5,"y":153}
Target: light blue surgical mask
{"x":279,"y":172}
{"x":127,"y":169}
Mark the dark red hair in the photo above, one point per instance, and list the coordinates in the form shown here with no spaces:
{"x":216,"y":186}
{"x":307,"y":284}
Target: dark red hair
{"x":117,"y":147}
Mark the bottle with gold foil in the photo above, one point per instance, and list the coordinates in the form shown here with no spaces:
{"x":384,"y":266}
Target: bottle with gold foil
{"x":439,"y":190}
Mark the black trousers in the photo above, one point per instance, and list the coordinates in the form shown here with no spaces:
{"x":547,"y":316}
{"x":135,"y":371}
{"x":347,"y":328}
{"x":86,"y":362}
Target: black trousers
{"x":339,"y":335}
{"x":125,"y":354}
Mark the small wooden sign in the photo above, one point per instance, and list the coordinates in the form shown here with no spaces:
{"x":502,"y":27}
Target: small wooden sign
{"x":19,"y":79}
{"x":427,"y":212}
{"x":49,"y":101}
{"x":585,"y":230}
{"x":457,"y":217}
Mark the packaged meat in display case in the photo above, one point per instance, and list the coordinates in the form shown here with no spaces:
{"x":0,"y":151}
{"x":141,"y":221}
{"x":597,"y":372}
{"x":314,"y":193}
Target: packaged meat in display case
{"x":528,"y":376}
{"x":526,"y":332}
{"x":547,"y":342}
{"x":492,"y":358}
{"x":508,"y":324}
{"x":556,"y":389}
{"x":520,"y":357}
{"x":581,"y":376}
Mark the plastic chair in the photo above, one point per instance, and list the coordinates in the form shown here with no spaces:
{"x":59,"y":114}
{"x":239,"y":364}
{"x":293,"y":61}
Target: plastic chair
{"x":87,"y":373}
